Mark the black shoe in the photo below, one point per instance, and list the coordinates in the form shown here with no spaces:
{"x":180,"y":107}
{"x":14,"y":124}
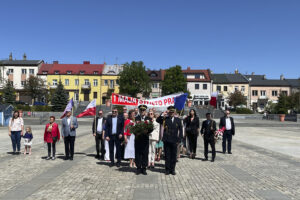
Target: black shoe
{"x":229,"y":153}
{"x":71,"y":158}
{"x":14,"y":153}
{"x":111,"y":164}
{"x":152,"y":167}
{"x":97,"y":156}
{"x":48,"y":158}
{"x":173,"y":173}
{"x":144,"y":172}
{"x":118,"y":164}
{"x":167,"y":172}
{"x":212,"y":160}
{"x":138,"y":172}
{"x":205,"y":159}
{"x":66,"y":158}
{"x":101,"y":157}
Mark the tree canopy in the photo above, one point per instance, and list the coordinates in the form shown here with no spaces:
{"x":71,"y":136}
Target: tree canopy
{"x":59,"y":98}
{"x":174,"y":81}
{"x":35,"y":88}
{"x":237,"y":98}
{"x":8,"y":93}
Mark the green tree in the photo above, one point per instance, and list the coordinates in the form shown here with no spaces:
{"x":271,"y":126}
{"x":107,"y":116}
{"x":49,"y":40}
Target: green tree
{"x":8,"y":93}
{"x":174,"y":81}
{"x":283,"y":104}
{"x":237,"y":98}
{"x":59,"y":98}
{"x":134,"y":79}
{"x":35,"y":88}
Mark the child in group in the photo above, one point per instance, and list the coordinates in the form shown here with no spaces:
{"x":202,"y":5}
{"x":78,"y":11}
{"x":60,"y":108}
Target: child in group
{"x":28,"y":140}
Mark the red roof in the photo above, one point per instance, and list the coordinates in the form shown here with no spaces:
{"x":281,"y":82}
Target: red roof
{"x":88,"y":69}
{"x":205,"y":72}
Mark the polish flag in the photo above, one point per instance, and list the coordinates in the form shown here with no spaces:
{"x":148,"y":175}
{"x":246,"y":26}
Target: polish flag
{"x":90,"y":110}
{"x":213,"y":99}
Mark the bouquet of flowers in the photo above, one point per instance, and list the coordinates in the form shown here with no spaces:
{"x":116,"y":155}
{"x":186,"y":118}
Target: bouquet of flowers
{"x":219,"y":134}
{"x":142,"y":128}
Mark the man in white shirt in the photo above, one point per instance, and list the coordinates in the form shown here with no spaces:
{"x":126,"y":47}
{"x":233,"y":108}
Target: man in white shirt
{"x":228,"y":123}
{"x":98,"y":133}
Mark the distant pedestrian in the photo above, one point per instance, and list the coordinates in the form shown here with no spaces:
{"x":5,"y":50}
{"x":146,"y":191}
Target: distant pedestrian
{"x":192,"y":128}
{"x":16,"y":128}
{"x":51,"y":136}
{"x":208,"y":130}
{"x":68,"y":133}
{"x":228,"y":123}
{"x":28,"y":140}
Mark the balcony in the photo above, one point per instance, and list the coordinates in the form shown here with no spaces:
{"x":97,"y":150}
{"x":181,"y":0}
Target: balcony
{"x":86,"y":86}
{"x":53,"y":86}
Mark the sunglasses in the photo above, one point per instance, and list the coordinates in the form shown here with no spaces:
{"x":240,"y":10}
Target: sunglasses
{"x":150,"y":113}
{"x":114,"y":111}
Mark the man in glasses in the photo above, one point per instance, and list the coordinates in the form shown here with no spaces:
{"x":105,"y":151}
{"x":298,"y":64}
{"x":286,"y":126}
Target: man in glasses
{"x":114,"y":134}
{"x":228,"y":123}
{"x":172,"y":136}
{"x":98,"y":133}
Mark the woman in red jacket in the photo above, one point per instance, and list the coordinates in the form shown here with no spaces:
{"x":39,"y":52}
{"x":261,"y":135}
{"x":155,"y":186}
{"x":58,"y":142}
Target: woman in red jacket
{"x":51,"y":136}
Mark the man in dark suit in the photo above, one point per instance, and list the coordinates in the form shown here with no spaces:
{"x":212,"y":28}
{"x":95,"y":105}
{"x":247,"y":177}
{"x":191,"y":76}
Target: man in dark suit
{"x":98,"y":133}
{"x":228,"y":123}
{"x":114,"y":133}
{"x":208,"y":130}
{"x":172,"y":136}
{"x":141,"y":143}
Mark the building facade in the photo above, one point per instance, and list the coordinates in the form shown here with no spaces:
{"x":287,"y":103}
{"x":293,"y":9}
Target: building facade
{"x":156,"y":77}
{"x":226,"y":84}
{"x":199,"y":85}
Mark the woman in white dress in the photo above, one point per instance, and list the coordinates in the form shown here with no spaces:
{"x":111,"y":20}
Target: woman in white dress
{"x":129,"y":138}
{"x":153,"y":139}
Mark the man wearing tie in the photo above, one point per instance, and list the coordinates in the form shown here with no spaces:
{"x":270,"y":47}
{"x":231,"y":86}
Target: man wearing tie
{"x":68,"y":131}
{"x":228,"y":123}
{"x":208,"y":130}
{"x":98,"y":133}
{"x":172,"y":136}
{"x":113,"y":134}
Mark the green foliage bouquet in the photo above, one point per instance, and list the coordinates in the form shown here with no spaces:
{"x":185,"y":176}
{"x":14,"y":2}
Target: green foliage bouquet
{"x":142,"y":128}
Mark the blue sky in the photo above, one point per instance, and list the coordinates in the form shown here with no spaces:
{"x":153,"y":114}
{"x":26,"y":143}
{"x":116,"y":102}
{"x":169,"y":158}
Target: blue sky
{"x":261,"y":36}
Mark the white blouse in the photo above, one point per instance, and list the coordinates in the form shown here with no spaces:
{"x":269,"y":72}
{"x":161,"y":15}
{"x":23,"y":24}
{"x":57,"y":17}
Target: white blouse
{"x":16,"y":124}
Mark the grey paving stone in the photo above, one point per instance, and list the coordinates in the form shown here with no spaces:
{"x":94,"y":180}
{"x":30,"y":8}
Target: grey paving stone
{"x":149,"y":179}
{"x":238,"y":173}
{"x":272,"y":195}
{"x":146,"y":194}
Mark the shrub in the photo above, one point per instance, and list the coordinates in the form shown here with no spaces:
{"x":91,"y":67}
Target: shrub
{"x":243,"y":111}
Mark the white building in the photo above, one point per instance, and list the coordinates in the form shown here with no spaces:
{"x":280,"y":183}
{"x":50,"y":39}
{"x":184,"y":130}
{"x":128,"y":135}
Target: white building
{"x":17,"y":71}
{"x":199,"y":84}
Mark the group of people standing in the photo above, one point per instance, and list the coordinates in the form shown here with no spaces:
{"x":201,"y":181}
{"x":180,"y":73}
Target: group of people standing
{"x":170,"y":132}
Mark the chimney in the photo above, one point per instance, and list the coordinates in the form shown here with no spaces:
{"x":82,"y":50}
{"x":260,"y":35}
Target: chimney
{"x":55,"y":62}
{"x":252,"y":73}
{"x":24,"y":56}
{"x":10,"y":56}
{"x":188,"y":68}
{"x":281,"y":77}
{"x":86,"y":62}
{"x":236,"y":71}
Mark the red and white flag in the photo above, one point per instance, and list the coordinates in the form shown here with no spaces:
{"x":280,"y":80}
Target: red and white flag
{"x":90,"y":110}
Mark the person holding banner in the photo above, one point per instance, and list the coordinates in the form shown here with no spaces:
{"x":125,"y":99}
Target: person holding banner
{"x":114,"y":133}
{"x":172,"y":136}
{"x":68,"y":132}
{"x":98,"y":129}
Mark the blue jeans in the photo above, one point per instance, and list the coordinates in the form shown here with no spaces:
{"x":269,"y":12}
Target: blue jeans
{"x":16,"y":140}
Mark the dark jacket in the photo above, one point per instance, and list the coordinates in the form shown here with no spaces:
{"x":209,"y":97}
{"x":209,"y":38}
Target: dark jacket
{"x":109,"y":126}
{"x":144,"y":137}
{"x":172,"y":130}
{"x":223,"y":124}
{"x":209,"y":128}
{"x":191,"y":127}
{"x":103,"y":124}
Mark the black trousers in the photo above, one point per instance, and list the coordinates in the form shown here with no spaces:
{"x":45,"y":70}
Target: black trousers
{"x":141,"y":147}
{"x":53,"y":149}
{"x":69,"y":146}
{"x":170,"y":156}
{"x":115,"y":141}
{"x":192,"y":142}
{"x":210,"y":142}
{"x":227,"y":137}
{"x":99,"y":145}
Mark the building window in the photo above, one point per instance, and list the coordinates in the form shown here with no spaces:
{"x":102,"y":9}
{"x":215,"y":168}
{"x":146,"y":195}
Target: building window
{"x":67,"y":82}
{"x":45,"y":72}
{"x":69,"y":72}
{"x":219,"y":88}
{"x":95,"y":95}
{"x":31,"y":71}
{"x":243,"y":88}
{"x":10,"y":71}
{"x":81,"y":72}
{"x":76,"y":96}
{"x":204,"y":86}
{"x":24,"y":71}
{"x":225,"y":88}
{"x":185,"y":75}
{"x":117,"y":82}
{"x":56,"y":72}
{"x":54,"y":82}
{"x":154,"y":85}
{"x":86,"y":82}
{"x":111,"y":85}
{"x":106,"y":82}
{"x":76,"y":82}
{"x":153,"y":75}
{"x":236,"y":88}
{"x":95,"y":72}
{"x":254,"y":92}
{"x":95,"y":82}
{"x":274,"y":93}
{"x":22,"y":83}
{"x":263,"y":93}
{"x":199,"y":76}
{"x":196,"y":86}
{"x":284,"y":93}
